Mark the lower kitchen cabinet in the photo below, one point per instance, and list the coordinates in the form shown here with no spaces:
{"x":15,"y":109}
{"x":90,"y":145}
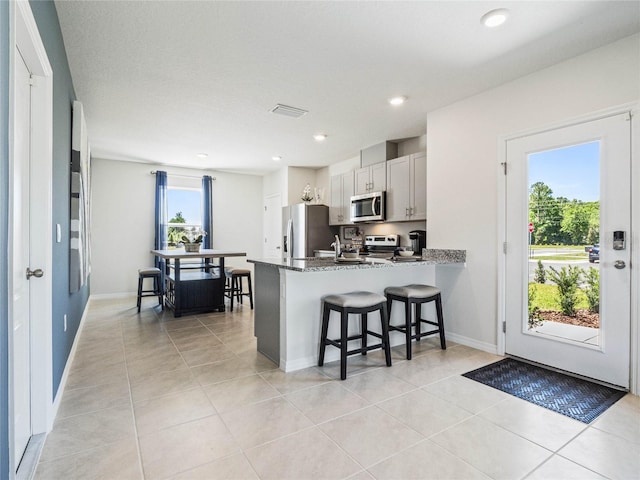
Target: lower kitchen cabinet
{"x":407,"y":188}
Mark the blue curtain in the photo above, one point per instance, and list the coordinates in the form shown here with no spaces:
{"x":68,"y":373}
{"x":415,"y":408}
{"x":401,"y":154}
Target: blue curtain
{"x":161,"y":221}
{"x":207,"y":210}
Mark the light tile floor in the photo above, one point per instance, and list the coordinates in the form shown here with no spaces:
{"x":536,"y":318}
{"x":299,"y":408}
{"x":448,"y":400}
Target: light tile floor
{"x":151,"y":396}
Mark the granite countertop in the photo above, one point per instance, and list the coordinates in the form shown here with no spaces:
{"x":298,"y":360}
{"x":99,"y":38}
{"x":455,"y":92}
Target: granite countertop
{"x":318,"y":264}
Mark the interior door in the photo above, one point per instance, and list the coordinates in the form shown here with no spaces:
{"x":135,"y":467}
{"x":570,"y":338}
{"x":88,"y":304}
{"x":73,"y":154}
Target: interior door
{"x":20,"y":312}
{"x":603,"y":353}
{"x":272,"y":226}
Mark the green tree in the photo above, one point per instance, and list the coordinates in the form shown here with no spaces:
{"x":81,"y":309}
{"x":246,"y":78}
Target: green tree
{"x":575,"y":222}
{"x":178,"y":218}
{"x":593,"y":235}
{"x":545,"y":213}
{"x":174,"y":234}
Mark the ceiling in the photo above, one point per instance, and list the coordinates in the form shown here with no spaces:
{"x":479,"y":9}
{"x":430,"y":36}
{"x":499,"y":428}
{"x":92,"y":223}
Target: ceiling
{"x":162,"y":81}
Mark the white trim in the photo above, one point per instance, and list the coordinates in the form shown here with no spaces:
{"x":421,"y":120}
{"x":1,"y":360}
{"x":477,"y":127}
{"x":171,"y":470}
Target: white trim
{"x":67,"y":368}
{"x":633,"y":242}
{"x":107,"y":296}
{"x":473,"y":343}
{"x":502,"y":235}
{"x":24,"y":33}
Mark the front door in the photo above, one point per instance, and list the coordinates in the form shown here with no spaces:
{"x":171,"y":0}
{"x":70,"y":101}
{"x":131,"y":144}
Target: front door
{"x":19,"y":218}
{"x":568,"y":191}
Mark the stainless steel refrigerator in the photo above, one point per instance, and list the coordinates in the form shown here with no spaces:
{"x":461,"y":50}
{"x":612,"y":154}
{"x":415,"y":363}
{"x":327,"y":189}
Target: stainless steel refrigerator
{"x":306,"y":228}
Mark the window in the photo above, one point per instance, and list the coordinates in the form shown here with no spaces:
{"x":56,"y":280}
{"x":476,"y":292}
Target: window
{"x":184,"y":210}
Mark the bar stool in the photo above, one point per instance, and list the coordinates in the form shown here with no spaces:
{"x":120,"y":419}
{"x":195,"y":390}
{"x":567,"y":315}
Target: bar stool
{"x":361,"y":303}
{"x":416,"y":295}
{"x":153,"y":273}
{"x":234,"y":288}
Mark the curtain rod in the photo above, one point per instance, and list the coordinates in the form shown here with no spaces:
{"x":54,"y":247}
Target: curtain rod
{"x":153,"y":172}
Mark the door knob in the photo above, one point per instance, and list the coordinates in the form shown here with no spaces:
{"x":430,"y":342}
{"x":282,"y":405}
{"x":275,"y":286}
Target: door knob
{"x":619,"y":264}
{"x":34,"y":273}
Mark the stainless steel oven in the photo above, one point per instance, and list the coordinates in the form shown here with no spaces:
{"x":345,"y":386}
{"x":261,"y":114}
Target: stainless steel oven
{"x":368,"y":207}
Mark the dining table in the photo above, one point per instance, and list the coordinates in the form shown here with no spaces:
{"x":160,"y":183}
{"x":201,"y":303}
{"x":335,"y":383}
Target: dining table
{"x":195,"y":281}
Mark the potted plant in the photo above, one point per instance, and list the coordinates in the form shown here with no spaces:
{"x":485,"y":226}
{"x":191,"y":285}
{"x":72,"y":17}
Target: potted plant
{"x":192,"y":239}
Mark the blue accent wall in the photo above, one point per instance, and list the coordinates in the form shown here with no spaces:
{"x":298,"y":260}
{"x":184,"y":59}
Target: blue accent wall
{"x":72,"y":305}
{"x":4,"y":228}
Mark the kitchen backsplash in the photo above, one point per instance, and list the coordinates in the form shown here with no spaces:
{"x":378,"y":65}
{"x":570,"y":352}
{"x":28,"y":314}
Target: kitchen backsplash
{"x":400,"y":228}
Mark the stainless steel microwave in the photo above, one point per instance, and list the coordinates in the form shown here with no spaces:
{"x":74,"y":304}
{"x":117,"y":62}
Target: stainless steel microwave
{"x":368,"y":207}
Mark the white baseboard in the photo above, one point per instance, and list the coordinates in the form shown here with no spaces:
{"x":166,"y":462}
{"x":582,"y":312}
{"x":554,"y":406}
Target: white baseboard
{"x":67,"y":367}
{"x":107,"y":296}
{"x":470,"y":342}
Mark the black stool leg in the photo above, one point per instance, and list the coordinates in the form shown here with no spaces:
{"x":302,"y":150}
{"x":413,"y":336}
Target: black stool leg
{"x":156,"y":282}
{"x":323,"y":336}
{"x":385,"y":334}
{"x":250,"y":292}
{"x":240,"y":290}
{"x":443,"y":343}
{"x":234,"y":283}
{"x":344,"y":320}
{"x":407,"y":315}
{"x":365,"y":328}
{"x":418,"y":307}
{"x":139,"y":292}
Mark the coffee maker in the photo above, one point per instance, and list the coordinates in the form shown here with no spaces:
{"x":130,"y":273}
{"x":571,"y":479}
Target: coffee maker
{"x":418,"y":240}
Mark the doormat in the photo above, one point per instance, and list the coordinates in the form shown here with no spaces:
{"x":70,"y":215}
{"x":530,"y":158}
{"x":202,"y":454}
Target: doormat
{"x":576,"y":398}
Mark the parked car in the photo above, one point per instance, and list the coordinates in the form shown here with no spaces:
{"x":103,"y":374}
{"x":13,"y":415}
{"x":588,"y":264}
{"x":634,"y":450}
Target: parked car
{"x":594,"y":253}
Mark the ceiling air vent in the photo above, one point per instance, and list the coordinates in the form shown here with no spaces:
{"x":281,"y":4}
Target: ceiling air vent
{"x":288,"y":111}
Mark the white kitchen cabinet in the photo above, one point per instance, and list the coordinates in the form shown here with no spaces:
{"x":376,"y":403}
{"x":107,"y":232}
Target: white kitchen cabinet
{"x":371,"y":179}
{"x":406,"y":188}
{"x":341,"y":193}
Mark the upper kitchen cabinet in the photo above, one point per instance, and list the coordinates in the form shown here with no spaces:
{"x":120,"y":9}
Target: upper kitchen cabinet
{"x":406,"y":188}
{"x":341,"y":193}
{"x":371,"y":179}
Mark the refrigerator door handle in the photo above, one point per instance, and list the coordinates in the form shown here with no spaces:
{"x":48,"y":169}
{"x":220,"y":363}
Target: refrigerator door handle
{"x":288,"y":239}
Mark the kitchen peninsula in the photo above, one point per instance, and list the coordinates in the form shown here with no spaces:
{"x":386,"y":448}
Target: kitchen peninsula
{"x":288,"y":296}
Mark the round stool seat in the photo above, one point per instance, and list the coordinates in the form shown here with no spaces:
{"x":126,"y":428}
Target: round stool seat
{"x":413,"y":291}
{"x":149,"y":271}
{"x":240,"y":271}
{"x":355,"y":299}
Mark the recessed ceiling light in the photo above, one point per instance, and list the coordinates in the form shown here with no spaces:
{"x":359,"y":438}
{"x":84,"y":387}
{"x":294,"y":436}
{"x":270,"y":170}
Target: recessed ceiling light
{"x":495,"y":18}
{"x":319,"y":137}
{"x":397,"y":100}
{"x":202,"y":155}
{"x":276,"y":158}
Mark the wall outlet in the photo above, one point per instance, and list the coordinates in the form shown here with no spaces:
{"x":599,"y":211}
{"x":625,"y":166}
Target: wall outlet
{"x":65,"y":322}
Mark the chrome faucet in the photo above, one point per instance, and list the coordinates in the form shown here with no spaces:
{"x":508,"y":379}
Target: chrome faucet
{"x":336,"y":246}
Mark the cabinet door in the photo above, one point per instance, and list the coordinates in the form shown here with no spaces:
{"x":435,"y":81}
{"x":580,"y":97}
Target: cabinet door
{"x":378,"y":177}
{"x":361,"y":177}
{"x":347,"y":193}
{"x":419,"y":186}
{"x":398,"y":199}
{"x":335,"y":205}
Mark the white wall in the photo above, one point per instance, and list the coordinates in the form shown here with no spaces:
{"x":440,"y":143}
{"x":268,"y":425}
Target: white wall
{"x":463,"y":168}
{"x":297,"y":179}
{"x":122,"y":207}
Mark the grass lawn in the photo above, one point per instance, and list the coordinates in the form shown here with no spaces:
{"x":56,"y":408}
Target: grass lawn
{"x":557,"y":247}
{"x":577,"y":257}
{"x":546,"y":297}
